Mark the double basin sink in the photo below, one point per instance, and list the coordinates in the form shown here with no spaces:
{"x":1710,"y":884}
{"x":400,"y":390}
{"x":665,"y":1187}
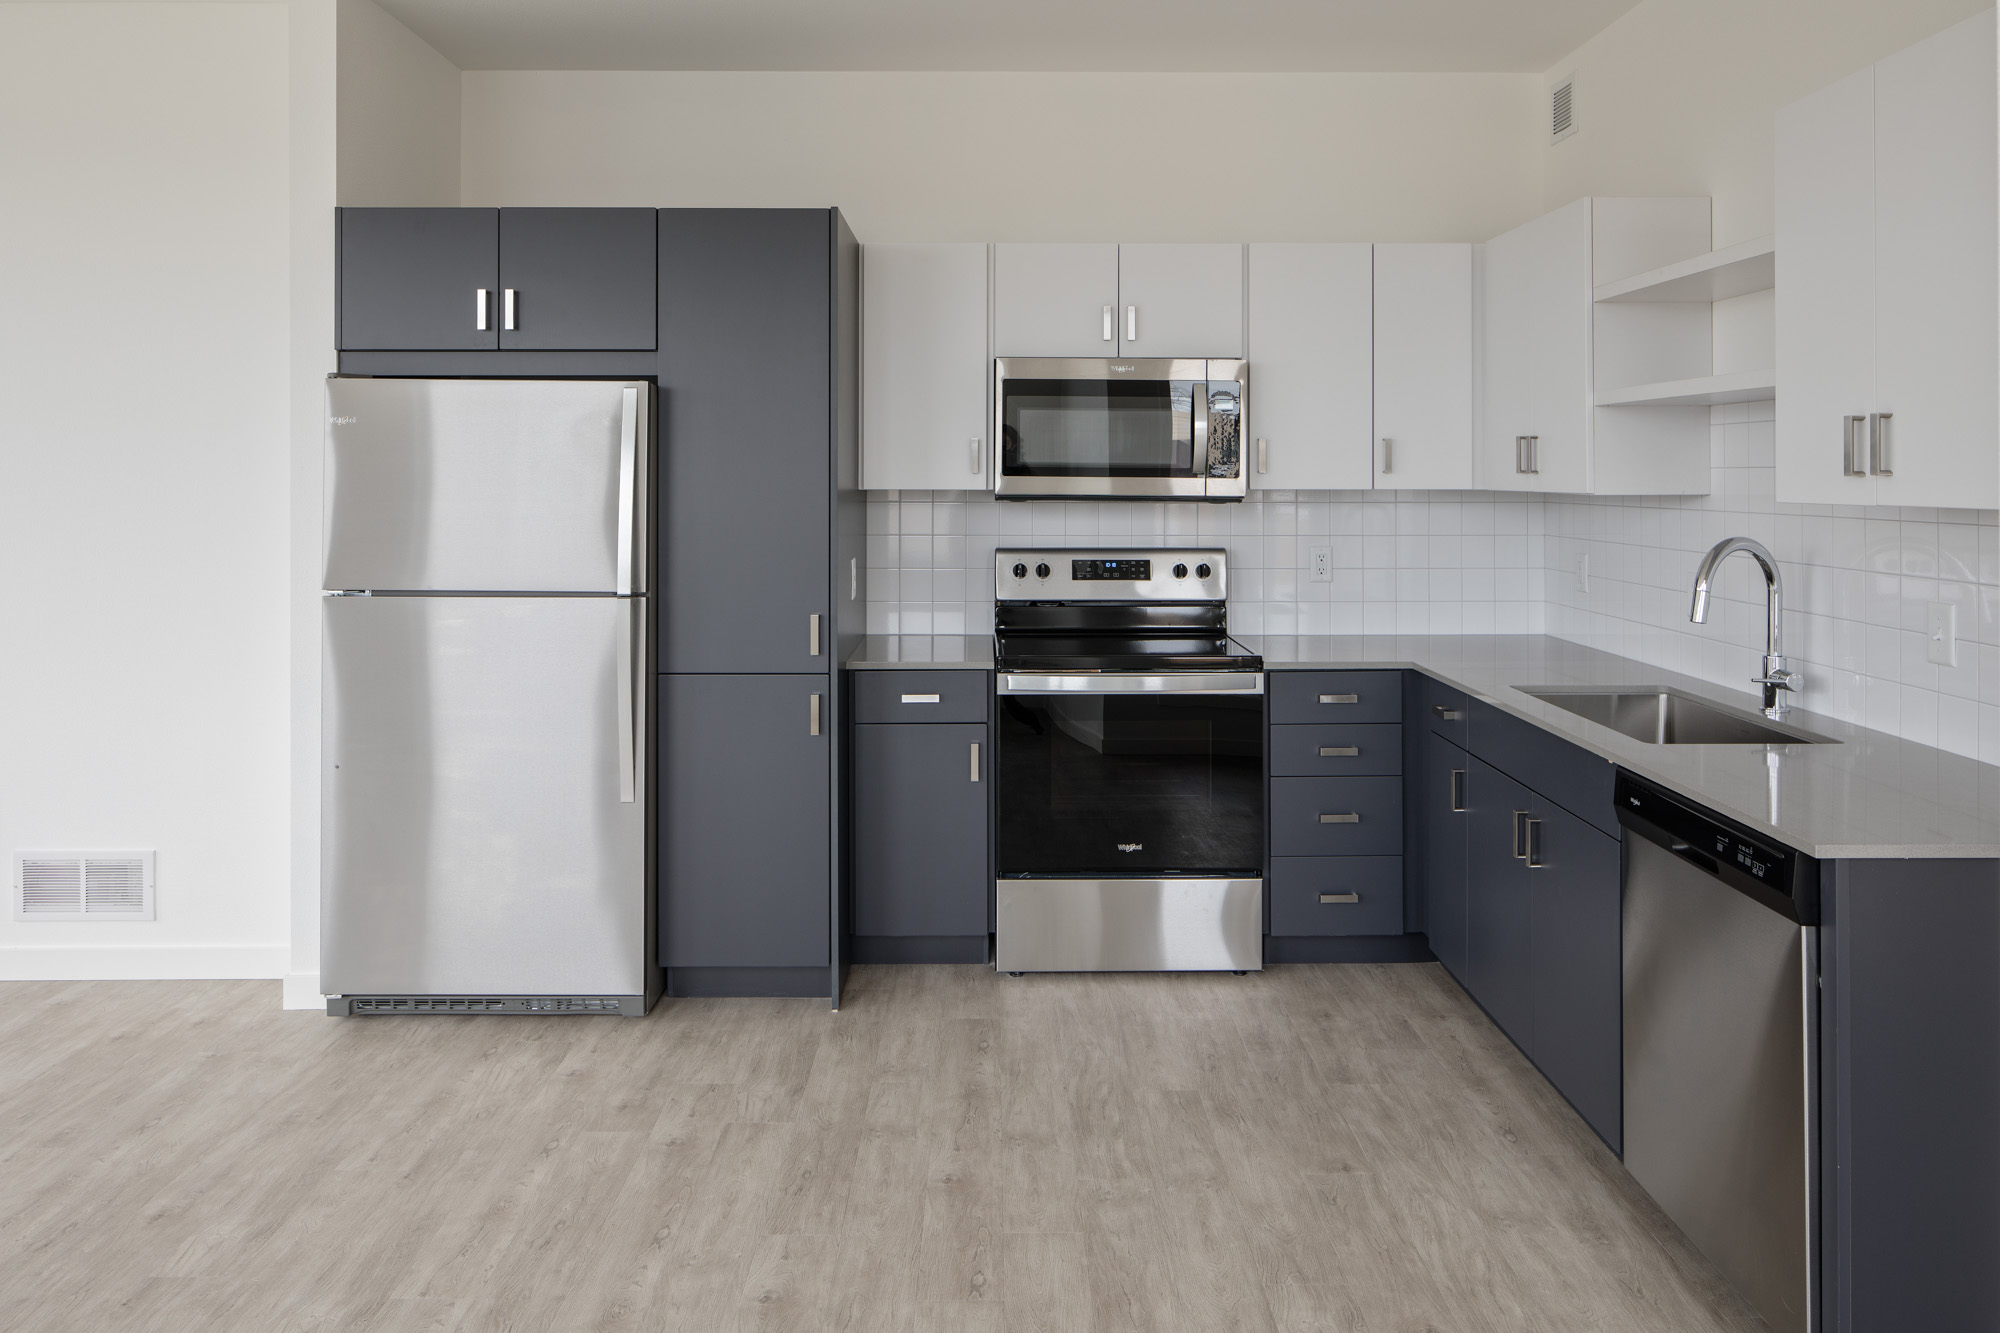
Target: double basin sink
{"x":1660,"y":716}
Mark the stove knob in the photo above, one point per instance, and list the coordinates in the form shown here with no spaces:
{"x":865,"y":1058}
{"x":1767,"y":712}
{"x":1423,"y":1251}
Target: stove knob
{"x":1180,"y":571}
{"x":1202,"y":571}
{"x":1041,"y":571}
{"x":1020,"y":571}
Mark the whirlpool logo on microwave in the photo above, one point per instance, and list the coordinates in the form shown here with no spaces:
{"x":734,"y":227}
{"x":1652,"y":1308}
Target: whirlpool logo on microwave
{"x":1131,"y":846}
{"x":1122,"y":370}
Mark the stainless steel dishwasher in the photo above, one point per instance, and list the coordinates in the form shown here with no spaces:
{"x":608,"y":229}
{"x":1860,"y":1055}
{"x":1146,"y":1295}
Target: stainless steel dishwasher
{"x":1721,"y":1023}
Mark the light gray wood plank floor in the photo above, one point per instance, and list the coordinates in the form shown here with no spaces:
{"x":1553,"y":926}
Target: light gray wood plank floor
{"x":1310,"y":1148}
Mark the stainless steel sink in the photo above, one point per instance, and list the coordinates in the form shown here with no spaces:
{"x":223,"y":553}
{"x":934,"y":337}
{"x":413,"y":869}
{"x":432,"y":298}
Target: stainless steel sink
{"x":1668,"y":717}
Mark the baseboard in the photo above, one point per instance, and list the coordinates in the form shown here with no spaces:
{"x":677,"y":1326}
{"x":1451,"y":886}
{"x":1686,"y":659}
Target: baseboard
{"x":747,"y":981}
{"x":145,"y":962}
{"x":302,"y":991}
{"x":1347,"y":949}
{"x":919,"y":949}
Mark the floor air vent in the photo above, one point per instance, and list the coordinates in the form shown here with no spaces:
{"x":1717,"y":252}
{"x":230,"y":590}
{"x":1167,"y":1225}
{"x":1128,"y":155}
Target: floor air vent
{"x":360,"y":1005}
{"x":83,"y":886}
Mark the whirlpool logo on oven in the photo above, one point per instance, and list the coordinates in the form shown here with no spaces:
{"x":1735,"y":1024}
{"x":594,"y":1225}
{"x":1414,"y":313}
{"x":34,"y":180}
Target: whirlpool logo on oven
{"x":1131,"y":846}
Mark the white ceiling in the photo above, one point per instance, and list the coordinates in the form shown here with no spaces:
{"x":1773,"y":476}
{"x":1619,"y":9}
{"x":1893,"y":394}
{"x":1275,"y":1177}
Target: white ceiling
{"x":1111,"y":35}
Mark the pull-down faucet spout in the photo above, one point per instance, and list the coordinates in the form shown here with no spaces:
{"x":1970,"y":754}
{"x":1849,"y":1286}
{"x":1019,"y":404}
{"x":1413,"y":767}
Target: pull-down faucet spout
{"x":1776,"y":676}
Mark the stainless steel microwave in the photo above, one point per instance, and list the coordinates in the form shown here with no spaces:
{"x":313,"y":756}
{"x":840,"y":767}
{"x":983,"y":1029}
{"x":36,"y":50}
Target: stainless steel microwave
{"x":1128,"y":429}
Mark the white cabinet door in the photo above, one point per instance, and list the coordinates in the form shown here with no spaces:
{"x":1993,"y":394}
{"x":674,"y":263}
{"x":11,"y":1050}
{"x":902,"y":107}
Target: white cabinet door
{"x":1423,"y":366}
{"x":1310,"y":367}
{"x":1536,"y":344}
{"x":1180,"y":300}
{"x":1937,"y":340}
{"x":1055,"y":300}
{"x":924,"y":423}
{"x":1825,"y":197}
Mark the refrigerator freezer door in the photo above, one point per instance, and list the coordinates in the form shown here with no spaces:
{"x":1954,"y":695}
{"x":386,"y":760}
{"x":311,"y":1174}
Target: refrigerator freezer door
{"x":485,"y":485}
{"x":474,"y":839}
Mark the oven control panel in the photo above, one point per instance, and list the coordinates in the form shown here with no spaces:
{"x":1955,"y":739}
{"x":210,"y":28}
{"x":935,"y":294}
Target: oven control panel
{"x":1192,"y":574}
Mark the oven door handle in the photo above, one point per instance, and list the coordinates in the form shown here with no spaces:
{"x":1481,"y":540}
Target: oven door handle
{"x":1238,"y":683}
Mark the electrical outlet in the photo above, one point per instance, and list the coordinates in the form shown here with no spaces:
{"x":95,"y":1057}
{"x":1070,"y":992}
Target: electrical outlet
{"x":1322,"y":564}
{"x":1583,"y":572}
{"x":1941,"y":631}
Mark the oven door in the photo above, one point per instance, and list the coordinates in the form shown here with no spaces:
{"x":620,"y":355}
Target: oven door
{"x":1119,"y":429}
{"x":1130,"y":776}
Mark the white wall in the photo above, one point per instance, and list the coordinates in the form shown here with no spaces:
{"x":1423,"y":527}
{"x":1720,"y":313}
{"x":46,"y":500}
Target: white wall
{"x":143,"y":473}
{"x":1676,"y":97}
{"x":944,"y":157}
{"x":398,"y":113}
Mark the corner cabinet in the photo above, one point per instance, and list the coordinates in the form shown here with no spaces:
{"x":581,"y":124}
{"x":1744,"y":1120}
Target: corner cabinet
{"x":1888,"y":216}
{"x":1548,"y":349}
{"x":926,"y":418}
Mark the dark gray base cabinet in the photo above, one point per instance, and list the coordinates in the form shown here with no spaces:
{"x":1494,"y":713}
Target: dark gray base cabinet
{"x":1436,"y":795}
{"x":922,"y":865}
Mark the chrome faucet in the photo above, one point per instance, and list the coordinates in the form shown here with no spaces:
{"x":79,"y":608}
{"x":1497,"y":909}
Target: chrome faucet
{"x":1776,"y":676}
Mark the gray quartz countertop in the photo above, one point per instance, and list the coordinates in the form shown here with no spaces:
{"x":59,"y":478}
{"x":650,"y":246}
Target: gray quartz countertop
{"x":1871,"y":795}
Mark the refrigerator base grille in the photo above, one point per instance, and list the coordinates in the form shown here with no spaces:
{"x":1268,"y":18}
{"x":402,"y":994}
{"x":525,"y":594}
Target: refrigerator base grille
{"x":358,"y":1006}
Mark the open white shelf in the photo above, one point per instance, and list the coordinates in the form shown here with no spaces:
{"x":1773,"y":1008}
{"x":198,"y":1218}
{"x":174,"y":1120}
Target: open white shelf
{"x":1740,"y":386}
{"x":1717,"y":276}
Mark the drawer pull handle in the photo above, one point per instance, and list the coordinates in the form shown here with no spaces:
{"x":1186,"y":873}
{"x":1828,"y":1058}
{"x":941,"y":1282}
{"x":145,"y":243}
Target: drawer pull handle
{"x":1340,"y":819}
{"x":1340,"y":698}
{"x":920,"y":698}
{"x":1339,"y":751}
{"x":1340,"y":897}
{"x":1448,"y":714}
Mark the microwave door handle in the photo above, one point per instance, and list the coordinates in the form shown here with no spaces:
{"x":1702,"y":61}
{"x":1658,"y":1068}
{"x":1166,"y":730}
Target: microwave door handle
{"x":1200,"y":428}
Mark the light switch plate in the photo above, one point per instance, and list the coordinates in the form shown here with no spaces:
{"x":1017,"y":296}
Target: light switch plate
{"x":1322,"y":564}
{"x":1941,"y":633}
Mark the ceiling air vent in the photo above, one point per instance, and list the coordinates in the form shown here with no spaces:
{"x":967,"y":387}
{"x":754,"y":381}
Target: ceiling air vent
{"x":83,"y":886}
{"x":1562,"y":109}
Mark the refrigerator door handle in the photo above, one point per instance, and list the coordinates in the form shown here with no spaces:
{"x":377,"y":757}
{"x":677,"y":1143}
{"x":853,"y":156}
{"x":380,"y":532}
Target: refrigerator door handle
{"x":628,"y":704}
{"x":628,"y":462}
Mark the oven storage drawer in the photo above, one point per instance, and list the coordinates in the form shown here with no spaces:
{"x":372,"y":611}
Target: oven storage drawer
{"x":1336,"y":696}
{"x":921,"y":696}
{"x":1337,"y":895}
{"x":1336,"y":816}
{"x":1369,"y":750}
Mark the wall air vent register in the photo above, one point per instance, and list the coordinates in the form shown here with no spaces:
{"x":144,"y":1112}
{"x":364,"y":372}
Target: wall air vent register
{"x":83,"y":886}
{"x":1562,"y":109}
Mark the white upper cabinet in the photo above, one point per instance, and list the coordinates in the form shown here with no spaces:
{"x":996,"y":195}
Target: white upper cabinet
{"x":1423,"y":365}
{"x":1180,"y":300}
{"x":1310,"y":367}
{"x":1887,"y":231}
{"x":1055,"y":300}
{"x":924,"y":392}
{"x":1547,"y":351}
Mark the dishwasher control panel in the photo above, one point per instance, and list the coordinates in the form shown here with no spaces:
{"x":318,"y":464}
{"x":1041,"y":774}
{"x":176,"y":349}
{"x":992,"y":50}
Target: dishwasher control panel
{"x":1786,"y":880}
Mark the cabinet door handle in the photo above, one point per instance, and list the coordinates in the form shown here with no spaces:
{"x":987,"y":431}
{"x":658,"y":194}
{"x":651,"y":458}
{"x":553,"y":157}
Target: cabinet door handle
{"x":977,"y":450}
{"x":1263,"y":455}
{"x":1448,"y":714}
{"x":1850,"y":446}
{"x":1340,"y":897}
{"x":812,"y":636}
{"x":1878,"y":444}
{"x":1340,"y":698}
{"x":1349,"y":818}
{"x":1520,"y":835}
{"x":479,"y":311}
{"x":812,"y":716}
{"x":1388,"y":455}
{"x":507,"y":309}
{"x":975,"y":761}
{"x":1534,"y":455}
{"x":1131,"y":323}
{"x":1108,"y":317}
{"x":1520,"y":453}
{"x":1339,"y":751}
{"x":920,"y":698}
{"x":854,"y":578}
{"x":1533,"y":855}
{"x":1457,"y":794}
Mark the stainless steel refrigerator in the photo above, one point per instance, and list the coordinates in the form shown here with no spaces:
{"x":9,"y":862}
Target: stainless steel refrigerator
{"x":483,"y":830}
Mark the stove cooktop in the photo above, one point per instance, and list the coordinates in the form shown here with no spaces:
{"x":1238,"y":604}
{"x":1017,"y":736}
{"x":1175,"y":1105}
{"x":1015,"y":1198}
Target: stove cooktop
{"x":1112,"y":652}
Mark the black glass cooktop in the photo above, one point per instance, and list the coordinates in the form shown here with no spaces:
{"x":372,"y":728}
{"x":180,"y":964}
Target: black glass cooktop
{"x":1122,"y":652}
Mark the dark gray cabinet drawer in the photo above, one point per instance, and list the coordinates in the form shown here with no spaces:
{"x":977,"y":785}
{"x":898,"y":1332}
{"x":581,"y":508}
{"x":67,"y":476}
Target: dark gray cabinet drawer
{"x":1336,"y":696}
{"x":1369,"y":750}
{"x":1444,"y":708}
{"x":921,"y":696}
{"x":1336,"y":816}
{"x":1337,"y":895}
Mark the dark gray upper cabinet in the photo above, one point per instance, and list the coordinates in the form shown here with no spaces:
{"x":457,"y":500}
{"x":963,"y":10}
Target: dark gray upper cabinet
{"x":745,"y":822}
{"x":581,"y":279}
{"x":1499,"y":917}
{"x":410,"y":279}
{"x":1442,"y":822}
{"x":746,"y":440}
{"x":920,"y":828}
{"x":1578,"y":1037}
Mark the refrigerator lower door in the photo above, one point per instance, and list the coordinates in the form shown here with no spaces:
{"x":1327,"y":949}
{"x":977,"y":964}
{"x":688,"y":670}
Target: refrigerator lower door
{"x":483,"y":809}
